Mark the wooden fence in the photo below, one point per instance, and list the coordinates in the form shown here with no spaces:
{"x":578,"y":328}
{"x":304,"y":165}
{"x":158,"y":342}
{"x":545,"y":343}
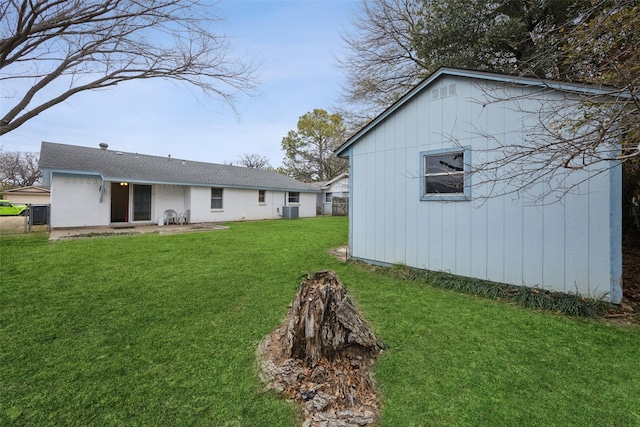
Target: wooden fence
{"x":340,"y":206}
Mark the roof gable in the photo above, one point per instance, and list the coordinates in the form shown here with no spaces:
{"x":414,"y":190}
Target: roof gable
{"x":123,"y":166}
{"x":471,"y":74}
{"x":28,"y":190}
{"x":327,"y":184}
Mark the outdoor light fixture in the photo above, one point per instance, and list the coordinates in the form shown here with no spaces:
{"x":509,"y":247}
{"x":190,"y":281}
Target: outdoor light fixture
{"x":124,"y":184}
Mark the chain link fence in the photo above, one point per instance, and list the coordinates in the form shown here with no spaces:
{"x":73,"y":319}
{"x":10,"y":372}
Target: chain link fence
{"x":36,"y":219}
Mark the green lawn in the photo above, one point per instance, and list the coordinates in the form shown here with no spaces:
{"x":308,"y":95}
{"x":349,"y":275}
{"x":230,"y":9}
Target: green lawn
{"x":157,"y":330}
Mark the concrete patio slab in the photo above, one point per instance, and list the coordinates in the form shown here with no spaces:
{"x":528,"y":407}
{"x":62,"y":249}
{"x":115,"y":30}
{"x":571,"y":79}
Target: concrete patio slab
{"x":115,"y":230}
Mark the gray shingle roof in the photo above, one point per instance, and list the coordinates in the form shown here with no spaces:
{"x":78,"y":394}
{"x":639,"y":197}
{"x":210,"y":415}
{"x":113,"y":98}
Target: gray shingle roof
{"x":123,"y":166}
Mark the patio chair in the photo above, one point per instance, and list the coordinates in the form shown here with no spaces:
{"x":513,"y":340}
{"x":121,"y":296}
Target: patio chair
{"x":170,"y":216}
{"x":184,"y":217}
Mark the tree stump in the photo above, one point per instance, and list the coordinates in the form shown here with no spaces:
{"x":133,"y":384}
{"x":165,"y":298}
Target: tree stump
{"x":321,"y":355}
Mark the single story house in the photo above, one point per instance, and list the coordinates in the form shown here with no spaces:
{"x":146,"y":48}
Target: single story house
{"x":28,"y":195}
{"x":415,"y":198}
{"x":101,"y":187}
{"x":337,"y":187}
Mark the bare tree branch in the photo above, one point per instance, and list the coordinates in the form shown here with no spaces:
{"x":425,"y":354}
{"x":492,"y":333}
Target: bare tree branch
{"x":51,"y":50}
{"x":565,"y":139}
{"x":382,"y":63}
{"x":252,"y":161}
{"x":581,"y":131}
{"x":565,"y":134}
{"x":396,"y":43}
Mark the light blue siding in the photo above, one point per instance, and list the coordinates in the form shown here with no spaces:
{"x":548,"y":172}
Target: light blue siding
{"x":513,"y":242}
{"x":533,"y":245}
{"x":615,"y":238}
{"x":479,"y":242}
{"x":495,"y":239}
{"x":553,"y":242}
{"x":514,"y":238}
{"x":599,"y":235}
{"x":463,"y":249}
{"x":577,"y":236}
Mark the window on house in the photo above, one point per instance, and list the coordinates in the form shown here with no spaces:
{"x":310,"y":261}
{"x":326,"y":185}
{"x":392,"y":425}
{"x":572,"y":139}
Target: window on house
{"x":216,"y":198}
{"x":262,"y":196}
{"x":445,"y":175}
{"x":328,"y":197}
{"x":294,"y":197}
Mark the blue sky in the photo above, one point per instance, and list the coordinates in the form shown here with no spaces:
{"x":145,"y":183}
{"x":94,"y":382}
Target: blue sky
{"x":296,"y":43}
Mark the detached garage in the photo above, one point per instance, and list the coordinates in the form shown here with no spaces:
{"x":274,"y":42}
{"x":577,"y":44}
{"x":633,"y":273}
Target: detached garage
{"x":416,"y":199}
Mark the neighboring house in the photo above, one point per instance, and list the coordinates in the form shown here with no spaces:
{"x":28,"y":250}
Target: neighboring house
{"x":28,"y":195}
{"x":99,"y":187}
{"x":402,"y":211}
{"x":337,"y":187}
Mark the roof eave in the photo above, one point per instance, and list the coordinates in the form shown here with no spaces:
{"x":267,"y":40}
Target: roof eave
{"x":190,"y":184}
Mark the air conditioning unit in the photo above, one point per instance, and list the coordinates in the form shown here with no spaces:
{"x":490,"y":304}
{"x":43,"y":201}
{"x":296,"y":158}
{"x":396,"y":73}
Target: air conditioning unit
{"x":290,"y":212}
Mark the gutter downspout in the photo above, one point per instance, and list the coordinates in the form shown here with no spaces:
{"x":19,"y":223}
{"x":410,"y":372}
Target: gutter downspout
{"x":101,"y":189}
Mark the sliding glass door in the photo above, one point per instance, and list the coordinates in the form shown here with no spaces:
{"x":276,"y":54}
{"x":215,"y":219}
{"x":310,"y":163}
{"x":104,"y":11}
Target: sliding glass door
{"x":141,"y":202}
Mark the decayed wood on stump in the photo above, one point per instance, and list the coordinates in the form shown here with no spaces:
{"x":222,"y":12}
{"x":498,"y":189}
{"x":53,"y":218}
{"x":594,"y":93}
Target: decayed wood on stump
{"x":322,"y":353}
{"x":323,"y":322}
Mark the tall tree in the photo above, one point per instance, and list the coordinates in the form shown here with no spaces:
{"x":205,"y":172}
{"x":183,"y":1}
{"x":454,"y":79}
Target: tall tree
{"x":19,"y":169}
{"x":510,"y":36}
{"x":583,"y":130}
{"x":309,"y":149}
{"x":591,"y":41}
{"x":396,"y":43}
{"x":51,"y":50}
{"x":604,"y":48}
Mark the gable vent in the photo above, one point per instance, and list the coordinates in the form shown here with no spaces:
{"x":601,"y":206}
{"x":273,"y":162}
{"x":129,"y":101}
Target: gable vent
{"x":443,"y":92}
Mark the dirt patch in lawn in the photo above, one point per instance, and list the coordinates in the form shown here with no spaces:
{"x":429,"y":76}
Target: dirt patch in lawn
{"x":341,"y":253}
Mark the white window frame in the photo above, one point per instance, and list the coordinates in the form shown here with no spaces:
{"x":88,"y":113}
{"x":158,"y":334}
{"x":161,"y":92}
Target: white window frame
{"x":293,"y":197}
{"x":465,"y":175}
{"x":328,"y":197}
{"x":216,"y":198}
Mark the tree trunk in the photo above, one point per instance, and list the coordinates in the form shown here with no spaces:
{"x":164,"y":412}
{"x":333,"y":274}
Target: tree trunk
{"x":321,"y":355}
{"x":324,"y":322}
